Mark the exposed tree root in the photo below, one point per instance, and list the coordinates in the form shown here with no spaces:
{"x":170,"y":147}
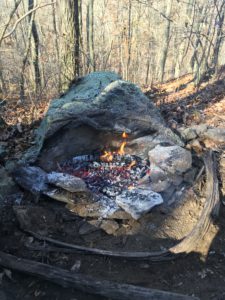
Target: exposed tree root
{"x":85,"y":283}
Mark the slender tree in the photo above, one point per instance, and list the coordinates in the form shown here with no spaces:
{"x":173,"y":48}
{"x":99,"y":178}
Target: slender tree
{"x":69,"y":40}
{"x":165,"y":40}
{"x":35,"y":48}
{"x":219,"y":22}
{"x":90,"y":36}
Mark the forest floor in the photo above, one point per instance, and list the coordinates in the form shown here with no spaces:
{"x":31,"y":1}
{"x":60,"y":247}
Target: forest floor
{"x":181,"y":104}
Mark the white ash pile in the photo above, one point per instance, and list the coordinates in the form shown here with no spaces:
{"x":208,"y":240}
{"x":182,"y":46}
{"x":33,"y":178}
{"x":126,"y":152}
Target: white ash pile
{"x":108,"y":177}
{"x":117,"y":181}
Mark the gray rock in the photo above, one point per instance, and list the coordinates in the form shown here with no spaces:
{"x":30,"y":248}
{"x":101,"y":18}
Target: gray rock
{"x":2,"y":295}
{"x":67,"y":182}
{"x":157,"y":181}
{"x":7,"y":185}
{"x":33,"y":179}
{"x":161,"y":180}
{"x":109,"y":226}
{"x":2,"y":123}
{"x":138,"y":202}
{"x":157,"y":174}
{"x":11,"y":166}
{"x":215,"y":134}
{"x":141,"y":146}
{"x":3,"y":150}
{"x":190,"y":175}
{"x":103,"y":208}
{"x":188,"y":133}
{"x":160,"y":186}
{"x":172,"y":159}
{"x":59,"y":194}
{"x":95,"y":111}
{"x":200,"y":129}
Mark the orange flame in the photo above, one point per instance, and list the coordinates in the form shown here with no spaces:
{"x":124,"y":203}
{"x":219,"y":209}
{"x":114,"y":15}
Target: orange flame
{"x":133,"y":163}
{"x":108,"y":155}
{"x":124,"y":135}
{"x":121,"y":150}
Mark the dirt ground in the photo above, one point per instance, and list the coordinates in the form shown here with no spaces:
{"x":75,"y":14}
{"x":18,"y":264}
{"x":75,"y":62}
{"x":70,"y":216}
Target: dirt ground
{"x":194,"y":274}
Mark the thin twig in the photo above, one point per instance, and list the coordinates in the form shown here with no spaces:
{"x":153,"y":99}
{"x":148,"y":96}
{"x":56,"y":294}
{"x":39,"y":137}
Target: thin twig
{"x":24,"y":16}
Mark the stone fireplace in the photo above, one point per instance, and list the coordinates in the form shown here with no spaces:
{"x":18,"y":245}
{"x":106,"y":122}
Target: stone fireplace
{"x":97,"y":115}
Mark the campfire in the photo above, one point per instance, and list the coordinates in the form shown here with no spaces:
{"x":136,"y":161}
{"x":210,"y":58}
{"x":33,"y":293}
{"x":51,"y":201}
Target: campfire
{"x":84,"y":157}
{"x":114,"y":174}
{"x":109,"y":173}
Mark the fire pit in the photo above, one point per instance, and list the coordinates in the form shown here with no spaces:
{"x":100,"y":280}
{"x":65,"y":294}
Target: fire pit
{"x":104,"y":149}
{"x":116,"y":177}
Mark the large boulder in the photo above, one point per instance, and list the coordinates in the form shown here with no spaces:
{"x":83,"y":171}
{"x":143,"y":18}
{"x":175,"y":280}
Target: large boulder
{"x":90,"y":117}
{"x":93,"y":113}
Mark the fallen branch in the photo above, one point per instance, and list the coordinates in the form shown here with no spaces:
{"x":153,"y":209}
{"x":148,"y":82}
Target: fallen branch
{"x":85,"y":283}
{"x":153,"y":256}
{"x":187,"y":245}
{"x":24,"y":16}
{"x":16,"y":5}
{"x":210,"y":210}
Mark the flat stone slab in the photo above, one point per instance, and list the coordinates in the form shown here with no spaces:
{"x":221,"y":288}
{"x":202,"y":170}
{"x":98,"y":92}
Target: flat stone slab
{"x":102,"y":208}
{"x":172,"y":159}
{"x":31,"y":178}
{"x":138,"y":202}
{"x":68,"y":182}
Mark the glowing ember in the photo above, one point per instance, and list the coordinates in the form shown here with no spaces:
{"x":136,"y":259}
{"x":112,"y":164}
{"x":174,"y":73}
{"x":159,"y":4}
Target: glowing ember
{"x":133,"y":163}
{"x":111,"y":173}
{"x":124,"y":135}
{"x":107,"y":156}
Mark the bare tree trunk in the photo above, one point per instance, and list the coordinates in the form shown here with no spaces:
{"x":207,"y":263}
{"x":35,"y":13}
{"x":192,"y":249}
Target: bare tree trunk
{"x":182,"y":42}
{"x":165,"y":40}
{"x":81,"y":42}
{"x":219,"y":22}
{"x":2,"y":81}
{"x":56,"y":45}
{"x":129,"y":43}
{"x":17,"y":3}
{"x":25,"y":58}
{"x":69,"y":40}
{"x":77,"y":37}
{"x":197,"y":58}
{"x":206,"y":45}
{"x":35,"y":52}
{"x":90,"y":36}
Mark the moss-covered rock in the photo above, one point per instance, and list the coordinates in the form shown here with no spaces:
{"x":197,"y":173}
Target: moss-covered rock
{"x":98,"y":102}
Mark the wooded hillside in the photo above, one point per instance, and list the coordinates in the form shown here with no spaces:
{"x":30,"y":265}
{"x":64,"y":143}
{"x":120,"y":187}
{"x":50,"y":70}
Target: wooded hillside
{"x":45,"y":44}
